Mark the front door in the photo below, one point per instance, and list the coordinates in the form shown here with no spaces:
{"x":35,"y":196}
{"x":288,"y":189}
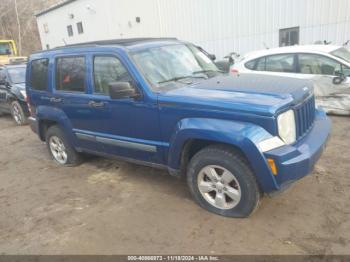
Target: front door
{"x":127,"y":127}
{"x":331,"y":95}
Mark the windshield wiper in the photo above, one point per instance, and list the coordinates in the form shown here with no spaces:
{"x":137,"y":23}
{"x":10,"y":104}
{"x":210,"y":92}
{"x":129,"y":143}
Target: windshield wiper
{"x":175,"y":79}
{"x":208,"y":71}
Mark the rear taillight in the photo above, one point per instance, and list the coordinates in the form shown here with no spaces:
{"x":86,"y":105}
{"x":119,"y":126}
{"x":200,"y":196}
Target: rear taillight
{"x":234,"y":71}
{"x":29,"y":106}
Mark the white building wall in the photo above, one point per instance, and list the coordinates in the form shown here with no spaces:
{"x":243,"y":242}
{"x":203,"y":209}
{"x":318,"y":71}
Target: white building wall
{"x":220,"y":26}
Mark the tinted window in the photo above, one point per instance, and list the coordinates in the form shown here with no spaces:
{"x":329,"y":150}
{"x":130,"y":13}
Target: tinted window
{"x":318,"y":65}
{"x":39,"y":74}
{"x":108,"y":69}
{"x":70,"y":74}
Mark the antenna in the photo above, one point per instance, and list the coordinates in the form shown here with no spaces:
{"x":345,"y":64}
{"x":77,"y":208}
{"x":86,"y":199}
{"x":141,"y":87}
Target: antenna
{"x":346,"y":43}
{"x":64,"y":41}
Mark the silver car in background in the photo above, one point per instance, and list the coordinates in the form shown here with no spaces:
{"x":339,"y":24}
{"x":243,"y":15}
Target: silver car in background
{"x":328,"y":66}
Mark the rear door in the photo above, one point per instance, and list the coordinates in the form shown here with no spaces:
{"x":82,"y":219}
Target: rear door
{"x":70,"y":94}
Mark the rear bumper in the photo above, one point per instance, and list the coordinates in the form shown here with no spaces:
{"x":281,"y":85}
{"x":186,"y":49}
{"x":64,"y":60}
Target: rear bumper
{"x":298,"y":160}
{"x":34,"y":125}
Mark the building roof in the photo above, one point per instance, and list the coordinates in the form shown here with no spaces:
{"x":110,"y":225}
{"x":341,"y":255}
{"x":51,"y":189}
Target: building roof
{"x":56,"y":6}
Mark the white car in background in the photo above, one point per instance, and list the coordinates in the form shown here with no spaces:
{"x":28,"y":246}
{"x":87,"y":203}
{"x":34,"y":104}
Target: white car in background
{"x":328,"y":66}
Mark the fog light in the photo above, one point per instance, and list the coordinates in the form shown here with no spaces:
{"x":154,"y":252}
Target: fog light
{"x":272,"y":166}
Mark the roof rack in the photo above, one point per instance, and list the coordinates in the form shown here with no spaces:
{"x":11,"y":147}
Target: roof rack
{"x":123,"y":41}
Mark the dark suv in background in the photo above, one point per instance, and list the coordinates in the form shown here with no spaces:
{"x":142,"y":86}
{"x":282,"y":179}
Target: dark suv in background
{"x":12,"y":92}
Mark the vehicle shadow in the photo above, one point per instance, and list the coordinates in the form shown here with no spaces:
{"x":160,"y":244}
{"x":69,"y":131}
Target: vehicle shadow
{"x":133,"y":173}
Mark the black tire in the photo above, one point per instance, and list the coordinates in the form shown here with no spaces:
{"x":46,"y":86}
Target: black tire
{"x":18,"y":113}
{"x":73,"y":158}
{"x":234,"y":162}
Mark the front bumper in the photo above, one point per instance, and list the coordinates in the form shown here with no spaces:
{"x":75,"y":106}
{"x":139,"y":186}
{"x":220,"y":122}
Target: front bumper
{"x":298,"y":160}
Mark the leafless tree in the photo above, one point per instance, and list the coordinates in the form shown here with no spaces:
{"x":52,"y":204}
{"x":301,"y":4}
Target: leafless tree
{"x":17,"y":21}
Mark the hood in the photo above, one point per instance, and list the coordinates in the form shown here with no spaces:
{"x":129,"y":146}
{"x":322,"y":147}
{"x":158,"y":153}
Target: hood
{"x":260,"y":94}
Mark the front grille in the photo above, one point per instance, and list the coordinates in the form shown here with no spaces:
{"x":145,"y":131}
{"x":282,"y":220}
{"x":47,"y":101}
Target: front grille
{"x":305,"y":116}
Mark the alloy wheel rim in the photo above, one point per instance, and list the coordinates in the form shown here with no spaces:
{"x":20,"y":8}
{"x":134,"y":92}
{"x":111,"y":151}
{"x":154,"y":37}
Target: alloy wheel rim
{"x":219,"y":187}
{"x":16,"y":114}
{"x":58,"y":149}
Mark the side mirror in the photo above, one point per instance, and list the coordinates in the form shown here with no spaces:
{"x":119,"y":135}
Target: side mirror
{"x":339,"y":79}
{"x":212,"y":57}
{"x":119,"y":90}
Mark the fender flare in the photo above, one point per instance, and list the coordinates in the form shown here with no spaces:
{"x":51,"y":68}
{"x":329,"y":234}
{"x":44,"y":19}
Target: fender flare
{"x":242,"y":135}
{"x":48,"y":113}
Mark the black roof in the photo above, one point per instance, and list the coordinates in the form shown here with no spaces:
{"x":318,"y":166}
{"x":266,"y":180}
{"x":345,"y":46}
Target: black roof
{"x":123,"y":41}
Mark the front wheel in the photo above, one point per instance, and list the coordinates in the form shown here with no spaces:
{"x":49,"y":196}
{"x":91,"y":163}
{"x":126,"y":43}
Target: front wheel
{"x":222,"y":182}
{"x":18,"y":113}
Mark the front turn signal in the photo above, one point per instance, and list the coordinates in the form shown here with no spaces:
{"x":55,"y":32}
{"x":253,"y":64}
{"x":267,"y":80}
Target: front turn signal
{"x":272,"y":166}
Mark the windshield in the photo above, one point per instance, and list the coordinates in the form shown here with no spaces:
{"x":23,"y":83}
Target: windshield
{"x":342,"y":53}
{"x":17,"y":74}
{"x":5,"y":49}
{"x":173,"y":63}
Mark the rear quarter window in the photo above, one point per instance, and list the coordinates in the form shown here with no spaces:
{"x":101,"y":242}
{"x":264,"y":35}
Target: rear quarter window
{"x":39,"y":74}
{"x":250,"y":64}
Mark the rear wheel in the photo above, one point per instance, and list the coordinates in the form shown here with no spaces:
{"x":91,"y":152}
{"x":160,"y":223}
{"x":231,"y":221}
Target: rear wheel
{"x":18,"y":114}
{"x":222,"y":182}
{"x":60,"y":149}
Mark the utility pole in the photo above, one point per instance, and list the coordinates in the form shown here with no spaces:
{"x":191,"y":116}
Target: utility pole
{"x":19,"y":30}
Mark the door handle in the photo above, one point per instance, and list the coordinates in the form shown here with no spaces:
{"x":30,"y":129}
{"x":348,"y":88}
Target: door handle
{"x":56,"y":100}
{"x":96,"y":104}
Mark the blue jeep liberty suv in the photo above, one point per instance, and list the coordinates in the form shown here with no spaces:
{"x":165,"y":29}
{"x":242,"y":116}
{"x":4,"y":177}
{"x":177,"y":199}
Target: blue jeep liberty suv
{"x":164,"y":103}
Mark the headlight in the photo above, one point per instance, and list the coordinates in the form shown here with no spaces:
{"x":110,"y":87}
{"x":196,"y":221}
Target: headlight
{"x":286,"y":126}
{"x":23,"y":93}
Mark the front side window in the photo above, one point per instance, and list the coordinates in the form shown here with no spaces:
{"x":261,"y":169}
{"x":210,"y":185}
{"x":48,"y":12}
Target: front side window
{"x":108,"y":69}
{"x":70,"y":74}
{"x":17,"y":74}
{"x":39,"y":74}
{"x":168,"y":63}
{"x":318,"y":65}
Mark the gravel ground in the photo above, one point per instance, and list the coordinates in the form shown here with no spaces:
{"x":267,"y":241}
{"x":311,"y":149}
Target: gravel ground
{"x":110,"y":207}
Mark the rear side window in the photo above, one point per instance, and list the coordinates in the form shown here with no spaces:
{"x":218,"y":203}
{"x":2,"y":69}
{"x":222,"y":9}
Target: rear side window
{"x":70,"y":74}
{"x":280,"y":63}
{"x":39,"y":74}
